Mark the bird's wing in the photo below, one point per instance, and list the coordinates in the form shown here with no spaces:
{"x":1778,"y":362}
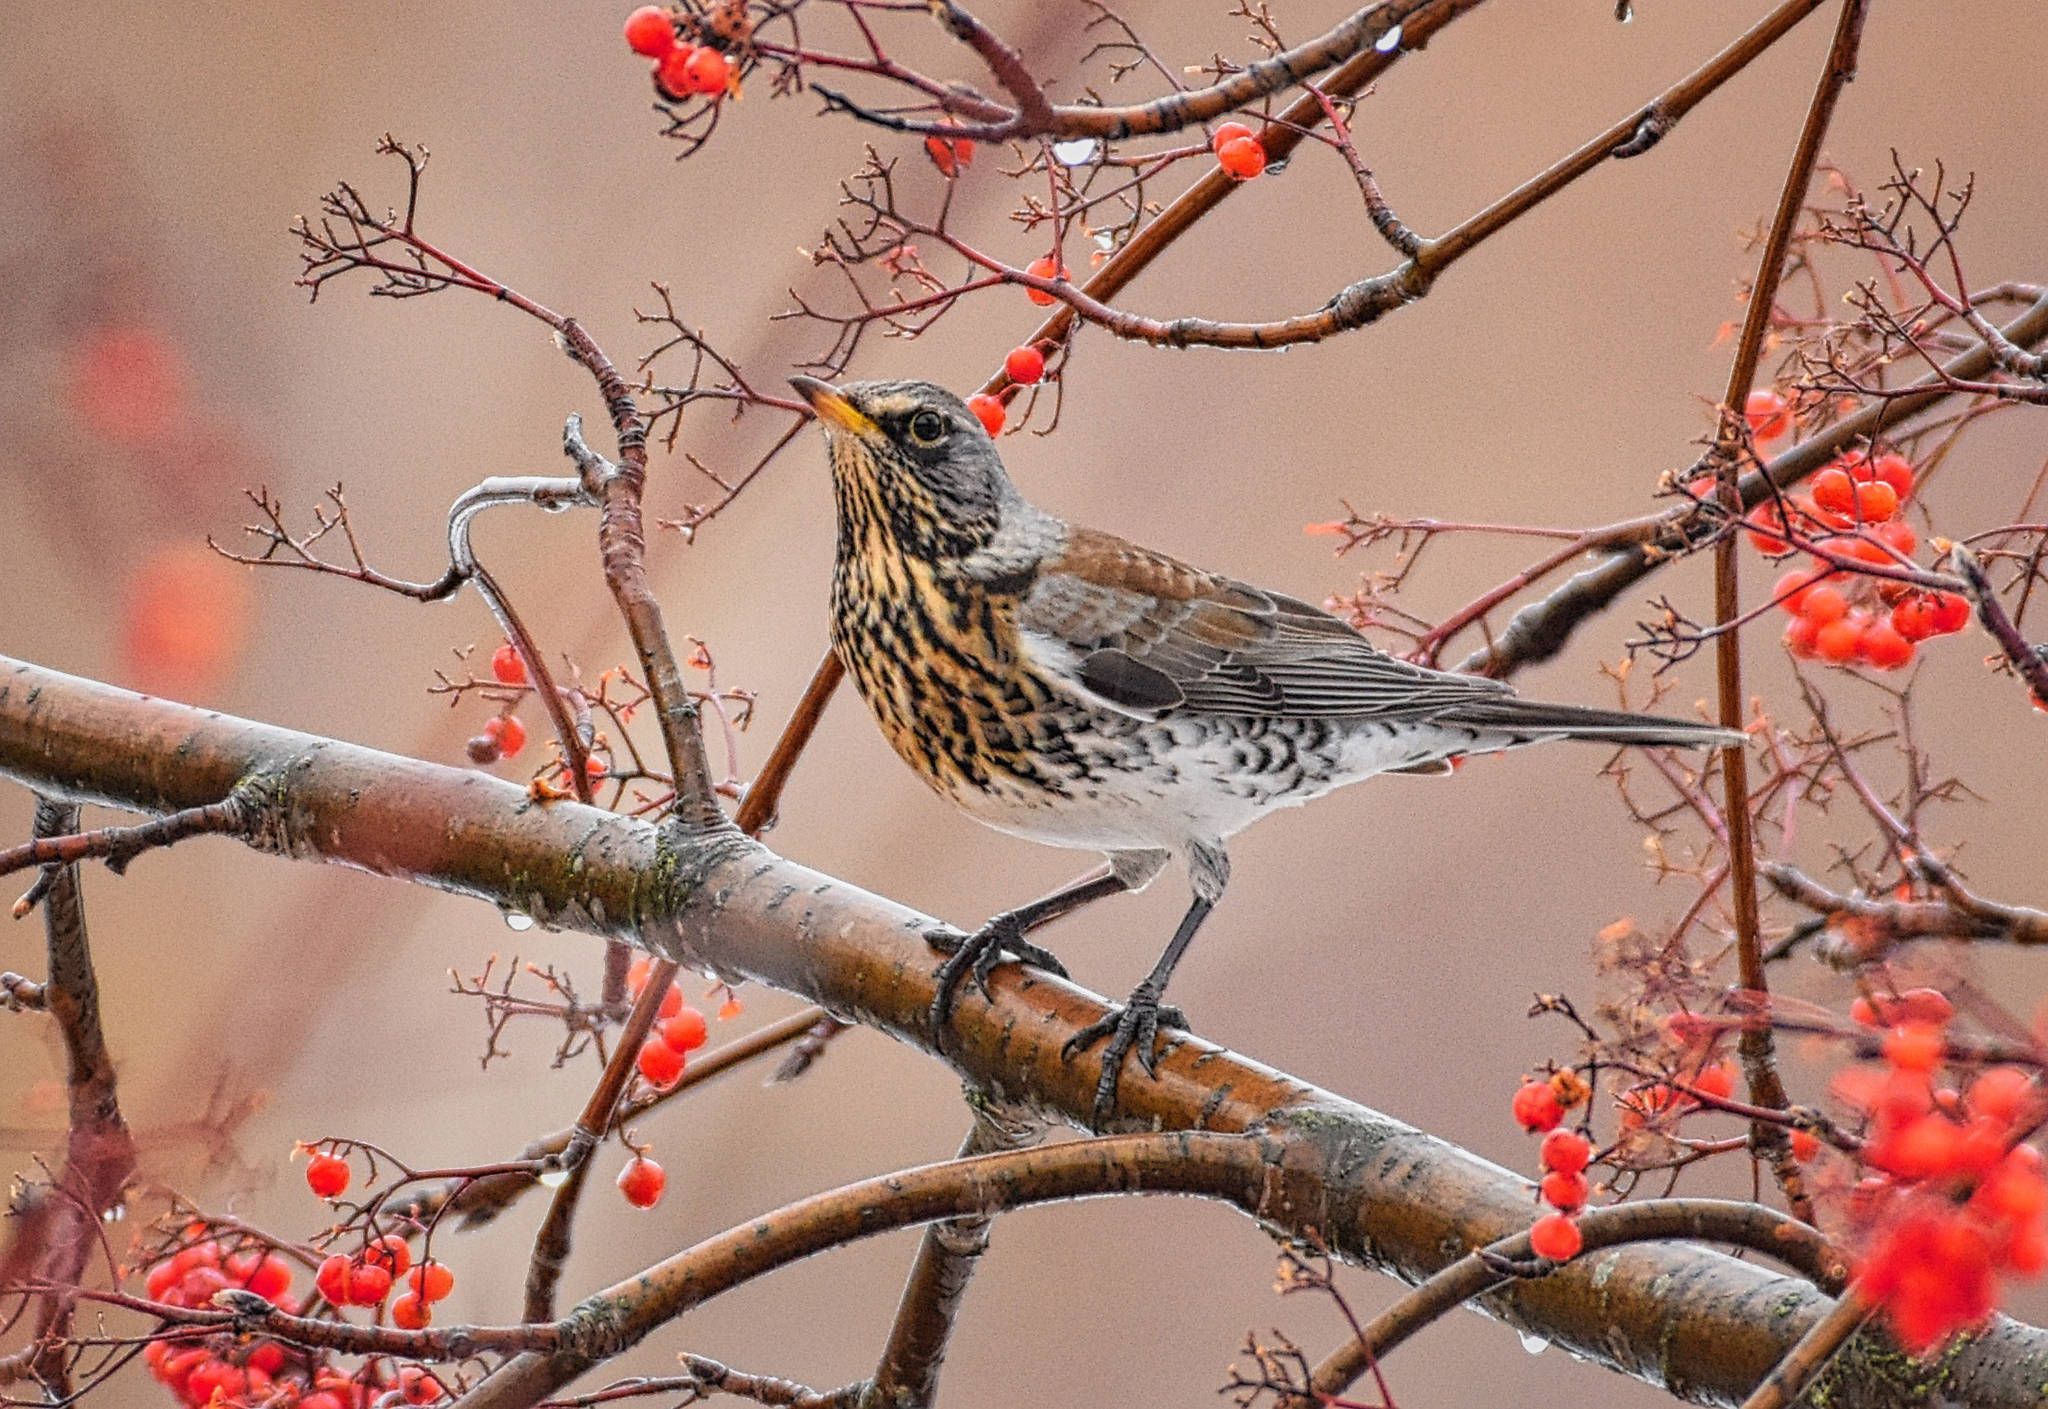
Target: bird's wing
{"x":1145,"y":634}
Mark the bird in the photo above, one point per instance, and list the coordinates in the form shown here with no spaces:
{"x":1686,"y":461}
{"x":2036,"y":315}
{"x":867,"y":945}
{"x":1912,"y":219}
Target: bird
{"x":1065,"y":685}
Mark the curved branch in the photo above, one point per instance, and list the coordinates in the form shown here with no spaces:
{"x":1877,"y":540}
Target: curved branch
{"x":1255,"y":1173}
{"x":1368,"y":300}
{"x":1034,"y":116}
{"x":1746,"y":1225}
{"x":1377,"y":1192}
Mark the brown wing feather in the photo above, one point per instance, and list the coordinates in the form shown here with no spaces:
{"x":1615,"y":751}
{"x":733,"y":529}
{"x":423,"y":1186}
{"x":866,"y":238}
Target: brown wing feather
{"x":1149,"y":633}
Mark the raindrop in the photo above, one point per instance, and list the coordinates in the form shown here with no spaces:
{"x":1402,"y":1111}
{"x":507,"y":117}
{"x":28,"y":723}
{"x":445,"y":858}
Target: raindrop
{"x":1390,"y":41}
{"x":518,"y":920}
{"x":556,"y":1178}
{"x":1624,"y":11}
{"x":1079,"y":152}
{"x":1277,"y":168}
{"x":1535,"y":1345}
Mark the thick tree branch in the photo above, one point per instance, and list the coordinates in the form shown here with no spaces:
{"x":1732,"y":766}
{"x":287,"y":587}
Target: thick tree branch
{"x":1378,"y":1192}
{"x":56,"y":1229}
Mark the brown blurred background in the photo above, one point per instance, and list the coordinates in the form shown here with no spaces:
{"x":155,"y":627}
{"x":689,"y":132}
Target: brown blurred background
{"x":1384,"y":943}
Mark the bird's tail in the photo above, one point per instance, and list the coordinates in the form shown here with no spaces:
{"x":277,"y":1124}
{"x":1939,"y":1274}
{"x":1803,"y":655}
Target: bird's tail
{"x":1530,"y":721}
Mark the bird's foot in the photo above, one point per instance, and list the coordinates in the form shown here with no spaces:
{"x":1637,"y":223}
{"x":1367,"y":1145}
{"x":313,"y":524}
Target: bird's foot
{"x":1128,"y":1026}
{"x":978,"y":954}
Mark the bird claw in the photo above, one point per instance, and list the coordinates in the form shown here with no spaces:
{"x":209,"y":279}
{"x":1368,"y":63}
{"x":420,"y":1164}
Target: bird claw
{"x":1130,"y":1025}
{"x":978,"y":954}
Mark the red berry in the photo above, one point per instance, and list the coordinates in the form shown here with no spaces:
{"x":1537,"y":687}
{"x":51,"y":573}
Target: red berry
{"x":1536,"y":1106}
{"x":988,"y":410}
{"x":161,"y":1277}
{"x":1917,"y":1150}
{"x":1914,"y":1046}
{"x":1805,"y":1146}
{"x":1242,"y":157}
{"x":267,"y":1356}
{"x":1876,"y":501}
{"x":270,"y":1278}
{"x":1226,"y":133}
{"x":409,"y":1313}
{"x":1556,"y":1237}
{"x":1822,"y":604}
{"x":686,"y":1031}
{"x":1885,"y":647}
{"x":706,"y":72}
{"x":672,"y":71}
{"x":1024,"y":365}
{"x":1043,"y":268}
{"x":1800,"y":637}
{"x":1914,"y":618}
{"x":507,"y":733}
{"x":1838,"y":640}
{"x":1768,"y":415}
{"x":642,"y":1181}
{"x":649,"y":32}
{"x":390,"y":1253}
{"x":1950,"y":613}
{"x":636,"y":976}
{"x":595,"y":767}
{"x":660,"y":1063}
{"x":1900,"y":535}
{"x":332,"y":1279}
{"x":507,"y":666}
{"x":1564,"y":1191}
{"x":951,"y":157}
{"x":211,"y":1377}
{"x":671,"y":1003}
{"x":1834,"y":491}
{"x":322,"y":1399}
{"x":2001,"y":1093}
{"x":1792,"y":588}
{"x":1894,"y":470}
{"x":1717,"y":1081}
{"x":1566,"y":1151}
{"x":199,"y":1285}
{"x":368,"y":1283}
{"x":729,"y":1009}
{"x":416,"y":1385}
{"x":1762,"y":520}
{"x":327,"y":1175}
{"x":432,"y":1281}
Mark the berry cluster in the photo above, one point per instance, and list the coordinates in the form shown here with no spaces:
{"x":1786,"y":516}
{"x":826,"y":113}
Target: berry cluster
{"x":1238,"y":151}
{"x":229,"y":1372}
{"x":1539,"y":1108}
{"x":1953,"y":1198}
{"x":679,"y":1031}
{"x":1025,"y":366}
{"x":680,"y":70}
{"x":503,"y":735}
{"x":1852,"y":510}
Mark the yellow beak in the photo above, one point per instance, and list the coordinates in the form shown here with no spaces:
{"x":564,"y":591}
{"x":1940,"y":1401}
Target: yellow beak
{"x":832,"y":406}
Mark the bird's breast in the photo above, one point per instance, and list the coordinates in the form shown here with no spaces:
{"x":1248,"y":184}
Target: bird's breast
{"x":936,"y":657}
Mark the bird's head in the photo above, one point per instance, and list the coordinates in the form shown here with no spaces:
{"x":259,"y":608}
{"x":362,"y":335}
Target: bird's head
{"x":912,"y":457}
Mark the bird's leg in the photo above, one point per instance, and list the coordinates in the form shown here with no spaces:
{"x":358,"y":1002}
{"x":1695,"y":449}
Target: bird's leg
{"x":1136,"y":1022}
{"x":981,"y":951}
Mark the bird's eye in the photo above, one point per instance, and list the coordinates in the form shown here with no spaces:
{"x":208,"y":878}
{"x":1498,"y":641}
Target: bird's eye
{"x":928,"y":428}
